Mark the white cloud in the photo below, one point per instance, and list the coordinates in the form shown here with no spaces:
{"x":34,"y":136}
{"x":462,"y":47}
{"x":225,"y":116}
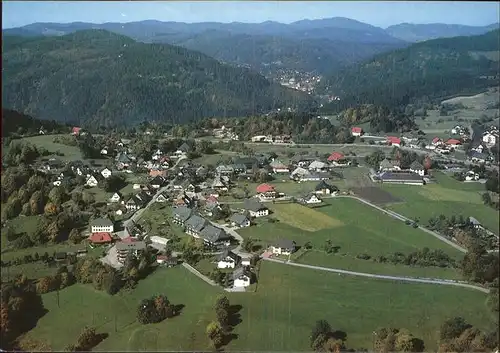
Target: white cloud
{"x":123,"y":15}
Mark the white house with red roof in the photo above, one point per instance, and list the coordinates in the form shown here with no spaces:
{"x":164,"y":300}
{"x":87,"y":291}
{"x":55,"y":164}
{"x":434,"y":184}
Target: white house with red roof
{"x":100,"y":238}
{"x":76,"y":130}
{"x":453,"y":142}
{"x":266,"y":191}
{"x":394,"y":141}
{"x":436,"y":141}
{"x":356,"y":131}
{"x":336,"y":157}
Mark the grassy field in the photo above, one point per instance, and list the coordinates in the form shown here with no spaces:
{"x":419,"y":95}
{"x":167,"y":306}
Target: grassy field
{"x":364,"y":230}
{"x":278,"y":317}
{"x":303,"y":217}
{"x":359,"y":229}
{"x":448,"y":197}
{"x":346,"y":262}
{"x":70,"y":152}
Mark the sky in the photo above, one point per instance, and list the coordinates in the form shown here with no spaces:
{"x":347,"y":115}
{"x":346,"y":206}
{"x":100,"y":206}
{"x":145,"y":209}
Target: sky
{"x":377,"y":13}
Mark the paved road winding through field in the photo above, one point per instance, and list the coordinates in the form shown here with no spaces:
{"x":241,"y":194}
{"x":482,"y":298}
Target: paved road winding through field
{"x":392,"y":278}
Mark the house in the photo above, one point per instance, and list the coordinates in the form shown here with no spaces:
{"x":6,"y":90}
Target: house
{"x":299,"y":172}
{"x":302,"y":161}
{"x":168,"y":261}
{"x":41,"y":132}
{"x":116,"y":197}
{"x":317,"y":166}
{"x":228,"y":259}
{"x":336,"y":157}
{"x":310,"y":199}
{"x":57,"y":183}
{"x":100,"y":225}
{"x":104,"y":151}
{"x":453,"y":142}
{"x":184,"y":200}
{"x":183,"y":149}
{"x":394,"y":141}
{"x":181,"y":215}
{"x":161,"y":198}
{"x":91,"y":181}
{"x":157,"y":182}
{"x":195,"y":224}
{"x":224,"y":169}
{"x":76,"y":130}
{"x":214,"y":235}
{"x":401,"y":178}
{"x":123,"y":249}
{"x":242,"y":277}
{"x":266,"y":191}
{"x":255,"y":208}
{"x":475,"y":223}
{"x":218,"y":184}
{"x":246,"y":261}
{"x":417,"y":168}
{"x":325,"y":189}
{"x":279,"y":167}
{"x":356,"y":131}
{"x":436,"y":141}
{"x":106,"y":173}
{"x":238,"y":168}
{"x":123,"y":160}
{"x":100,"y":238}
{"x":470,"y":175}
{"x":239,"y":220}
{"x":490,"y":138}
{"x":478,"y":157}
{"x":158,"y":172}
{"x":133,"y":204}
{"x":283,"y":247}
{"x":387,"y":165}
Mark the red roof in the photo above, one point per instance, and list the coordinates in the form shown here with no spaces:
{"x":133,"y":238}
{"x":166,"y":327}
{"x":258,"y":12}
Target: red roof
{"x":76,"y":130}
{"x":436,"y":139}
{"x":357,"y":129}
{"x":128,"y":239}
{"x":265,"y":188}
{"x":211,"y":199}
{"x":453,"y":142}
{"x":336,"y":156}
{"x":99,"y":238}
{"x":394,"y":140}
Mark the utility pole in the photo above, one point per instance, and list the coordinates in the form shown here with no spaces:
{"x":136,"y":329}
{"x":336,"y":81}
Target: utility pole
{"x":58,"y":299}
{"x":116,"y":330}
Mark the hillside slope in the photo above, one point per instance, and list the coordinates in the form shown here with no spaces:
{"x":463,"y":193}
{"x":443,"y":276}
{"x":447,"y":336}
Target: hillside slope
{"x":14,"y":123}
{"x":422,"y":32}
{"x":434,"y":69}
{"x":98,"y":77}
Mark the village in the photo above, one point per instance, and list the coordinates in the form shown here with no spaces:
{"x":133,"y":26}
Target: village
{"x":194,"y":192}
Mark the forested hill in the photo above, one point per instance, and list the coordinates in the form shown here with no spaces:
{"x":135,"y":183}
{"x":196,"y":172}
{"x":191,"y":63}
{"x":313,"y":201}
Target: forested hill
{"x":433,"y":69}
{"x":98,"y":77}
{"x":15,"y":123}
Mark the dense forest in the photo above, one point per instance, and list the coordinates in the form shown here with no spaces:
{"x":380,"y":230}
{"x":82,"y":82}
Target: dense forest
{"x":96,"y":77}
{"x":15,"y":123}
{"x":259,"y":51}
{"x":434,"y":69}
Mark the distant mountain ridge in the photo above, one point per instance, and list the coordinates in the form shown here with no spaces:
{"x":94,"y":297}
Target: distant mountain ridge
{"x":103,"y":78}
{"x":308,"y":45}
{"x":421,"y":32}
{"x":321,"y":45}
{"x":428,"y":70}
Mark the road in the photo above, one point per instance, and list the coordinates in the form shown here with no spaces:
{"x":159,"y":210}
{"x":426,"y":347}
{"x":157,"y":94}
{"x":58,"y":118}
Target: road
{"x":404,"y":219}
{"x":392,"y":278}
